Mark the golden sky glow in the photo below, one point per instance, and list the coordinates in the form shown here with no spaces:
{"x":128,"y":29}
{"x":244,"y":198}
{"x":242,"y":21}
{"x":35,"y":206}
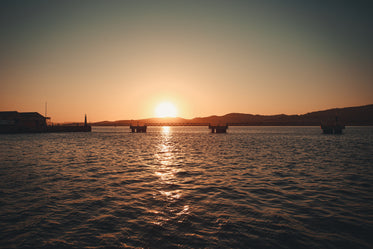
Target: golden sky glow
{"x":120,"y":60}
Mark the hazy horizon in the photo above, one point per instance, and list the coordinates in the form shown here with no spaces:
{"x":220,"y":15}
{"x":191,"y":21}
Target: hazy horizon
{"x":117,"y":59}
{"x":207,"y":116}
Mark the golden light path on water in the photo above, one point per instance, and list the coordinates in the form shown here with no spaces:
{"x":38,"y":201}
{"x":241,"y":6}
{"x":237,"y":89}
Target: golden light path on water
{"x":165,"y":168}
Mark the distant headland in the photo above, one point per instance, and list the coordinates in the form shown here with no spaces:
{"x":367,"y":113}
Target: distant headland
{"x":351,"y":116}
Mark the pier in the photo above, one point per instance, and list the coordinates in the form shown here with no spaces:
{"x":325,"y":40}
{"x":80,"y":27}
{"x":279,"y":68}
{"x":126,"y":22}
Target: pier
{"x":143,"y":128}
{"x":218,"y":128}
{"x":70,"y":128}
{"x":332,"y":127}
{"x":138,"y":128}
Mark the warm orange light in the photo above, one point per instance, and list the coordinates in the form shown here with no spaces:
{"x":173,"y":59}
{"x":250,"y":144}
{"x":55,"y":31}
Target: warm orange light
{"x":165,"y":129}
{"x":166,"y":109}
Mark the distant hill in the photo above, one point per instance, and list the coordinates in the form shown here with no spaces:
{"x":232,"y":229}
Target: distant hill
{"x":142,"y":122}
{"x":360,"y":115}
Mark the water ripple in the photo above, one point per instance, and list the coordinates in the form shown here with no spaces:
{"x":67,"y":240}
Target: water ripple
{"x":255,"y":187}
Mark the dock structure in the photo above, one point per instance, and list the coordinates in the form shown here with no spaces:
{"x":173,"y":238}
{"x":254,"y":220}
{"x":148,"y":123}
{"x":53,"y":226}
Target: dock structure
{"x":218,"y":128}
{"x":69,"y":128}
{"x":142,"y":128}
{"x":175,"y":124}
{"x":138,"y":128}
{"x":332,"y":127}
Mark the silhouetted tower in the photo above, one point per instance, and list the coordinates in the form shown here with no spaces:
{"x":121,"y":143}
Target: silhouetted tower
{"x":85,"y":120}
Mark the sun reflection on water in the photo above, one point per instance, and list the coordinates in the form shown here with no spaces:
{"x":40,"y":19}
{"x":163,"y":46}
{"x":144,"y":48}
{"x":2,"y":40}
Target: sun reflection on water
{"x":166,"y":167}
{"x":166,"y":129}
{"x":165,"y":157}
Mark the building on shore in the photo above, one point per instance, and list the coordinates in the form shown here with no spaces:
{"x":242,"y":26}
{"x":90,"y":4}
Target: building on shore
{"x":28,"y":122}
{"x":18,"y":122}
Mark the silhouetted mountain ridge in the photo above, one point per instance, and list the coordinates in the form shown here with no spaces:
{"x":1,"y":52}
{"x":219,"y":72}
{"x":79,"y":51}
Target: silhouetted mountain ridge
{"x":360,"y":115}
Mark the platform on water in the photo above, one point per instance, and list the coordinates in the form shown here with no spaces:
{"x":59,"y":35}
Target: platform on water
{"x":138,"y":128}
{"x":218,"y":128}
{"x":332,"y":127}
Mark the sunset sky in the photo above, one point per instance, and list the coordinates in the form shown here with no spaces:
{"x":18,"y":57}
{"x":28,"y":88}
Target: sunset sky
{"x":120,"y":59}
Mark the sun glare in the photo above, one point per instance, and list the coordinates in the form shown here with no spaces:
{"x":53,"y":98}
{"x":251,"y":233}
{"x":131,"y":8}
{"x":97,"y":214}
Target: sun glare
{"x":165,"y":129}
{"x":166,"y":110}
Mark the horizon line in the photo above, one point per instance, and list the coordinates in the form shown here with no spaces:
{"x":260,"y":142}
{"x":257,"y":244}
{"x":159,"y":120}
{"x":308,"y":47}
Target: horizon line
{"x":214,"y":115}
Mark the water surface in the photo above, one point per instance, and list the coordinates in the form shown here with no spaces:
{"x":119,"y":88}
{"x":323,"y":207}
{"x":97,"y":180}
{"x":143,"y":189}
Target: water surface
{"x":183,"y":187}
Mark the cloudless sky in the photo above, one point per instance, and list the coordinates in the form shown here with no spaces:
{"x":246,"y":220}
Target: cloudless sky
{"x":119,"y":59}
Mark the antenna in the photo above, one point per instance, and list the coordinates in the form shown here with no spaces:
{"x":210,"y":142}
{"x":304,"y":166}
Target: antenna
{"x":46,"y":105}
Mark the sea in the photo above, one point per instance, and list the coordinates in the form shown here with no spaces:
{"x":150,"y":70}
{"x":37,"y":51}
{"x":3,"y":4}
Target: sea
{"x":184,"y":187}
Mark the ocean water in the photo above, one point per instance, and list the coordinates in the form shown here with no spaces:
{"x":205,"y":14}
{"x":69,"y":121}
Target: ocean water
{"x":183,"y":187}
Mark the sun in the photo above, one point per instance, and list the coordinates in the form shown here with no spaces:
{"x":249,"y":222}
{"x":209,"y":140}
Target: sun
{"x":166,"y":110}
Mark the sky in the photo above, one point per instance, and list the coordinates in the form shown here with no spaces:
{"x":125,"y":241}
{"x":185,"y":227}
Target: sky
{"x":115,"y":60}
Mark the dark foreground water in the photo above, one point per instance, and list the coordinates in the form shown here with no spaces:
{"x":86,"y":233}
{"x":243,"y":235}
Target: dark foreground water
{"x":182,"y":187}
